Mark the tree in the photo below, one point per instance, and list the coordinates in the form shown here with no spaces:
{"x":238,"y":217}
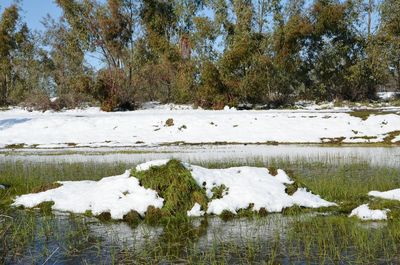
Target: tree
{"x":390,"y":36}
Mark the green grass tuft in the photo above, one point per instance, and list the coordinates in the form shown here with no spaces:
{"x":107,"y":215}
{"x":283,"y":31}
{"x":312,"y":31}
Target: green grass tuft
{"x":175,"y":184}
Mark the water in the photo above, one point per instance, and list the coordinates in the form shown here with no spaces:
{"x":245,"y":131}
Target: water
{"x":379,"y":156}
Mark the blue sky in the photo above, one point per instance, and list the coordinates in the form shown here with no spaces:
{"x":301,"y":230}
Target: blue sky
{"x":33,"y":11}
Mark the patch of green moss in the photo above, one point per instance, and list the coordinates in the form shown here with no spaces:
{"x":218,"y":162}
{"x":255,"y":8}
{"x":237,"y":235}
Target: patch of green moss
{"x":175,"y":184}
{"x":227,"y":215}
{"x":391,"y":136}
{"x":364,"y":114}
{"x":219,"y":191}
{"x":45,"y":187}
{"x":262,"y":212}
{"x":153,"y":215}
{"x":88,"y":213}
{"x":15,"y":146}
{"x":104,"y":217}
{"x":273,"y":171}
{"x":294,"y":210}
{"x":45,"y":207}
{"x":333,"y":140}
{"x":291,"y":188}
{"x":132,"y":218}
{"x":297,"y":183}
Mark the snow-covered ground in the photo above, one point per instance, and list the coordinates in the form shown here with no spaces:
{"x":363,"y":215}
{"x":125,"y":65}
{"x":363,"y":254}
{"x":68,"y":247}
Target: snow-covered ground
{"x":118,"y":195}
{"x":365,"y":213}
{"x":91,"y":127}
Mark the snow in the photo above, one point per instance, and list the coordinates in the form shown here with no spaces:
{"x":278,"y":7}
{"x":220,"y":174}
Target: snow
{"x":195,"y":211}
{"x":252,"y":185}
{"x":120,"y":194}
{"x":117,"y":195}
{"x":93,"y":128}
{"x":365,"y":213}
{"x":387,"y":95}
{"x":147,"y":165}
{"x":389,"y":195}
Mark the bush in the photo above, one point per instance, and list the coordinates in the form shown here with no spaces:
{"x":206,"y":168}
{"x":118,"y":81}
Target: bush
{"x":37,"y":101}
{"x":71,"y":101}
{"x":113,"y":91}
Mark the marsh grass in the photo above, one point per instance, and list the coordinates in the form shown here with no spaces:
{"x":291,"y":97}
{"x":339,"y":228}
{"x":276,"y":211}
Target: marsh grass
{"x":306,"y":236}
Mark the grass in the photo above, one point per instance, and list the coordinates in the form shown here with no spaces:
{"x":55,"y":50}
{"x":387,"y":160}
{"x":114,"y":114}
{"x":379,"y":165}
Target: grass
{"x":303,"y":236}
{"x":175,"y":184}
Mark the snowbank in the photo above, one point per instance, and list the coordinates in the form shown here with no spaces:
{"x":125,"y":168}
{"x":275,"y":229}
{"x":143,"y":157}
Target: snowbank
{"x":389,"y":195}
{"x":251,"y":185}
{"x":93,"y":128}
{"x":149,"y":164}
{"x":119,"y":195}
{"x":365,"y":213}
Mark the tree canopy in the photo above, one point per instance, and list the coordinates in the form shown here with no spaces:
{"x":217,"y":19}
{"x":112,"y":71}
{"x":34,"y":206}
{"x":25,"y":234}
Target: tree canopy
{"x":210,"y":53}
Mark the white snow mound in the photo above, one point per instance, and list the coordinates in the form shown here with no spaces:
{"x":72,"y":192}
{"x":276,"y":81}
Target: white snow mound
{"x":252,"y":185}
{"x":389,"y":195}
{"x":149,"y":164}
{"x":195,"y":211}
{"x":365,"y":213}
{"x":117,"y":195}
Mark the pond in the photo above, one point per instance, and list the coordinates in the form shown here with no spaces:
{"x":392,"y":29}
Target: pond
{"x":297,"y":236}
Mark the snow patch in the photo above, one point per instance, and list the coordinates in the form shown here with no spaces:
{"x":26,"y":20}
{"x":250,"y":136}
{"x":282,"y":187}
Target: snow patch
{"x":149,"y":164}
{"x":252,"y":186}
{"x":389,"y":195}
{"x":195,"y":211}
{"x":93,"y":128}
{"x":365,"y":213}
{"x":117,"y":195}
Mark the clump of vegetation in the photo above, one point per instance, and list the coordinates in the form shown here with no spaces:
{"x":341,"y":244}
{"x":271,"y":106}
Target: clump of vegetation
{"x":132,"y":218}
{"x":169,"y":122}
{"x":45,"y":207}
{"x":333,"y":140}
{"x":273,"y":171}
{"x":227,"y":215}
{"x":175,"y":184}
{"x":154,"y":215}
{"x":291,"y":188}
{"x":15,"y":146}
{"x":390,"y":137}
{"x":45,"y":187}
{"x":104,"y":217}
{"x":364,"y":114}
{"x":219,"y":191}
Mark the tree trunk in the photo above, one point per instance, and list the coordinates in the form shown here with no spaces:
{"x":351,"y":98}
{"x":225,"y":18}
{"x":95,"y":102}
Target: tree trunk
{"x":370,"y":6}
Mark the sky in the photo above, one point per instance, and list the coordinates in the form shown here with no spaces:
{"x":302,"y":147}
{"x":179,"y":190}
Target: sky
{"x":33,"y":11}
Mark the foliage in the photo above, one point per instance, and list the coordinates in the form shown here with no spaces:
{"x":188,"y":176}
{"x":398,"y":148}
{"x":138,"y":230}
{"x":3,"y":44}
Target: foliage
{"x":211,"y":53}
{"x":175,"y":184}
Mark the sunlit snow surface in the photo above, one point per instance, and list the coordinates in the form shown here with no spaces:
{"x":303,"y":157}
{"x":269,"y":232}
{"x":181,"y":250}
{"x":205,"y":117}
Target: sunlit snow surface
{"x":365,"y":213}
{"x":92,"y":127}
{"x":120,"y":194}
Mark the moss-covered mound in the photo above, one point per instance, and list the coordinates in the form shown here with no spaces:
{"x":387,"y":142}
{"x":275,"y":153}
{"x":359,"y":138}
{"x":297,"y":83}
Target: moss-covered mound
{"x":175,"y":184}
